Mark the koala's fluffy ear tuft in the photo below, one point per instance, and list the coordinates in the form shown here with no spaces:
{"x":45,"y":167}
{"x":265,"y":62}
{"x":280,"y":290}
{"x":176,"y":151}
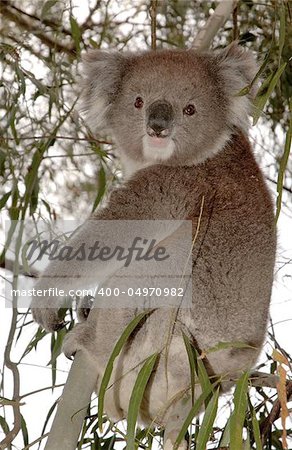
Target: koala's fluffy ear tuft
{"x":102,"y":76}
{"x":238,"y":67}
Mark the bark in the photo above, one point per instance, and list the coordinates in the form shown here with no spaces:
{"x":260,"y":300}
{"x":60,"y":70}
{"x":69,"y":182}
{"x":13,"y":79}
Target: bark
{"x":73,"y":403}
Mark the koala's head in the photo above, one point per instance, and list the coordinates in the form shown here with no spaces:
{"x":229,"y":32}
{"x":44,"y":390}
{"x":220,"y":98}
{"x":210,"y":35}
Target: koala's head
{"x":168,"y":107}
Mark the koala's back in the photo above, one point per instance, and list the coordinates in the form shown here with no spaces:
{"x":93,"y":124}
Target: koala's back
{"x":233,"y":260}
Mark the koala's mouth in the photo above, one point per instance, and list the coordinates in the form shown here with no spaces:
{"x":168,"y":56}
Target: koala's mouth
{"x":157,"y":148}
{"x":159,"y":142}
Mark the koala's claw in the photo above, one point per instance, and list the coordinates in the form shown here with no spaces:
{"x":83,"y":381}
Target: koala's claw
{"x":71,"y":357}
{"x":77,"y":339}
{"x":70,"y":345}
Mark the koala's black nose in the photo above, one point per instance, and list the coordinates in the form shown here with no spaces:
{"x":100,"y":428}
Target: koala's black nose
{"x":160,"y":119}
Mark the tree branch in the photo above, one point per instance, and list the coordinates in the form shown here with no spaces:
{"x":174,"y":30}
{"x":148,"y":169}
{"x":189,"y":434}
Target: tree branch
{"x":16,"y":384}
{"x":73,"y":404}
{"x":27,"y":25}
{"x":206,"y":35}
{"x":8,"y":264}
{"x":49,"y":23}
{"x":153,"y":13}
{"x":262,"y":379}
{"x":266,"y":425}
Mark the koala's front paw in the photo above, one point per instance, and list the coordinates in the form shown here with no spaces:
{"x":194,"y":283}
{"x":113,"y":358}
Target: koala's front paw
{"x":51,"y":319}
{"x":80,"y":338}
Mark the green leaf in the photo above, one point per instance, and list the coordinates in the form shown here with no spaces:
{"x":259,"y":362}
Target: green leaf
{"x":265,"y":92}
{"x":50,"y":412}
{"x":24,"y":431}
{"x":4,"y":199}
{"x":40,"y":334}
{"x":21,"y":80}
{"x":238,"y":415}
{"x":283,"y":165}
{"x":4,"y":425}
{"x":14,"y":209}
{"x":193,"y":412}
{"x":192,"y":363}
{"x":76,"y":33}
{"x":101,"y":187}
{"x":34,"y":197}
{"x":12,"y":124}
{"x":47,"y":206}
{"x":46,"y":8}
{"x":57,"y":345}
{"x":136,"y":398}
{"x":282,"y":31}
{"x":225,"y":438}
{"x":226,"y":345}
{"x":208,"y":422}
{"x":2,"y":162}
{"x":109,"y":368}
{"x":204,"y":379}
{"x":31,"y":178}
{"x":255,"y":426}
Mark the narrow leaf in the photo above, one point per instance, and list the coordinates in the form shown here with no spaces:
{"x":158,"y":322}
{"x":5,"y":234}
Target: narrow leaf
{"x":283,"y":165}
{"x":282,"y":31}
{"x":109,"y":368}
{"x":46,"y":8}
{"x":226,"y":345}
{"x":195,"y":410}
{"x":4,"y":199}
{"x":225,"y":438}
{"x":4,"y":425}
{"x":191,"y":358}
{"x":265,"y":92}
{"x":24,"y":431}
{"x":204,"y":379}
{"x":136,"y":398}
{"x":50,"y":412}
{"x":255,"y":426}
{"x":76,"y":33}
{"x":40,"y":334}
{"x":238,"y":415}
{"x":101,"y":187}
{"x":208,"y":422}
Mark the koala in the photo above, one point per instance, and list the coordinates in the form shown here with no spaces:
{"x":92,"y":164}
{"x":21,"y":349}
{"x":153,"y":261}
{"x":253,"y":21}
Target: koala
{"x":181,"y":130}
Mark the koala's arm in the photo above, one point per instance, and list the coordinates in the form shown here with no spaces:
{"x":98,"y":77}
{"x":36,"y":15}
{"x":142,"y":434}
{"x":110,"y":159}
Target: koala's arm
{"x":146,"y":198}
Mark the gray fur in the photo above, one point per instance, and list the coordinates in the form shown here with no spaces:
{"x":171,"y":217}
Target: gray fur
{"x":209,"y":157}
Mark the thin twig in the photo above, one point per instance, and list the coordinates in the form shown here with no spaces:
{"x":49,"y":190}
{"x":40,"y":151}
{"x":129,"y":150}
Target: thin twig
{"x":9,"y":265}
{"x":49,"y":23}
{"x":87,"y":139}
{"x":153,"y":12}
{"x":235,"y":23}
{"x":30,"y":27}
{"x":16,"y":384}
{"x":266,"y":425}
{"x":31,"y":444}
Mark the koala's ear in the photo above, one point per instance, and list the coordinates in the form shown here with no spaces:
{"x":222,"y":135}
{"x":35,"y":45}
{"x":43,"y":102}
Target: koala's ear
{"x":102,"y":76}
{"x":238,"y":68}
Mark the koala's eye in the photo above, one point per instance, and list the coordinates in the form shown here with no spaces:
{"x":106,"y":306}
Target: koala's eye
{"x":139,"y":102}
{"x":189,"y":110}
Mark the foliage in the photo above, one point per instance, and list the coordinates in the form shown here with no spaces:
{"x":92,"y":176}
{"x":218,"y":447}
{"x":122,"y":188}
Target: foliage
{"x":49,"y":161}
